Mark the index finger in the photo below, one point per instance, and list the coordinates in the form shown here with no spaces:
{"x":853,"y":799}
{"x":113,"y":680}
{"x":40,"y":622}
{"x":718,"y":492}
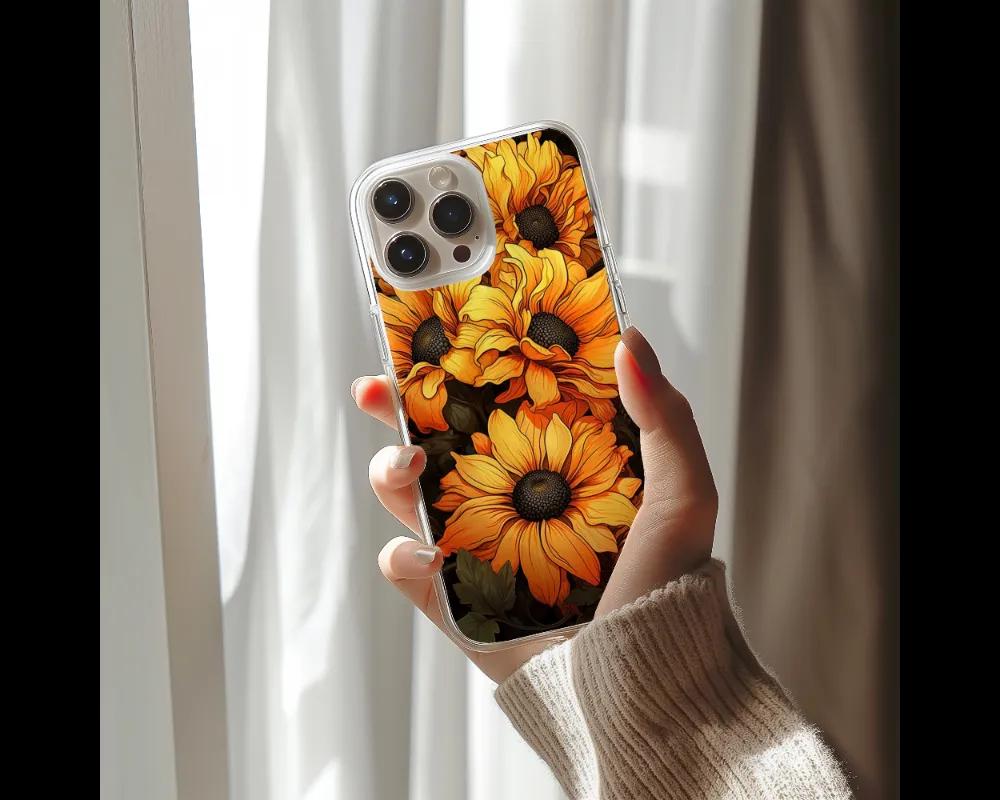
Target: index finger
{"x":373,"y":395}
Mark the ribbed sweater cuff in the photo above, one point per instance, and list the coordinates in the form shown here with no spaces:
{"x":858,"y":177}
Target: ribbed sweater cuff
{"x":663,"y":698}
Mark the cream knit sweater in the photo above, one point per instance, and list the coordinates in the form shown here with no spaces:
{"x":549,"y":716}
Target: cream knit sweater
{"x":662,"y":699}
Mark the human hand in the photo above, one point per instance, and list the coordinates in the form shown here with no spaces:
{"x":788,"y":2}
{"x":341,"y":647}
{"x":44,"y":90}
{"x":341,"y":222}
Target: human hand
{"x":672,"y":532}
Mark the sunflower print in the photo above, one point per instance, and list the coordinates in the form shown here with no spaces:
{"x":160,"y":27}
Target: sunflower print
{"x":533,"y":474}
{"x":548,"y":329}
{"x":421,"y":327}
{"x":538,"y":198}
{"x":545,"y":498}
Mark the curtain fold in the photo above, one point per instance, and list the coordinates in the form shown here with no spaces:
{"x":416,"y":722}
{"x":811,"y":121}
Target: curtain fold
{"x":816,"y":540}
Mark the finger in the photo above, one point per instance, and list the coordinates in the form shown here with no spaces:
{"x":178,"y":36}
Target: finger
{"x":373,"y":395}
{"x":406,"y":559}
{"x":410,"y":566}
{"x":392,"y":473}
{"x":673,"y":456}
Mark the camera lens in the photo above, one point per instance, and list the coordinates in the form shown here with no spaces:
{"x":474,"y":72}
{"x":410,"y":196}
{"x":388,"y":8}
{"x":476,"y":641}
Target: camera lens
{"x":392,"y":200}
{"x":406,"y":254}
{"x":451,"y":214}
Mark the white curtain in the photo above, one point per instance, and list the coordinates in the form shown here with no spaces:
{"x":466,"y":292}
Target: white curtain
{"x":336,"y":689}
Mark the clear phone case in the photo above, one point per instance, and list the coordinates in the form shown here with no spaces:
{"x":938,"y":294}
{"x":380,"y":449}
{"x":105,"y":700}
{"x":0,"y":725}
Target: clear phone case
{"x":507,"y":381}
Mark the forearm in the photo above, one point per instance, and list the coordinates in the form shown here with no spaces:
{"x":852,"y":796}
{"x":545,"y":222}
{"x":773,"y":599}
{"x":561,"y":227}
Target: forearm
{"x":663,"y":698}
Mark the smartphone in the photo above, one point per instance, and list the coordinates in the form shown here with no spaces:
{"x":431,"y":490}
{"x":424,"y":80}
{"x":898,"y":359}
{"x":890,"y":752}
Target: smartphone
{"x":496,"y":306}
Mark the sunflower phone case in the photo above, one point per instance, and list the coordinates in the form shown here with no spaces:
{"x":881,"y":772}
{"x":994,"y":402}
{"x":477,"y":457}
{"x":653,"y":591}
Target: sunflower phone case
{"x":497,"y":308}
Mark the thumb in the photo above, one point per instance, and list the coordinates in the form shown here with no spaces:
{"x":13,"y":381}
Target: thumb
{"x":675,"y":526}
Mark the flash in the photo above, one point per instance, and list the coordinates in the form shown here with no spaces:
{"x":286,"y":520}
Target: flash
{"x":441,"y":177}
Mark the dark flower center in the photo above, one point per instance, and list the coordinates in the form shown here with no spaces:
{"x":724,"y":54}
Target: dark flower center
{"x":429,"y":342}
{"x":541,"y":494}
{"x":547,"y":329}
{"x":537,"y":225}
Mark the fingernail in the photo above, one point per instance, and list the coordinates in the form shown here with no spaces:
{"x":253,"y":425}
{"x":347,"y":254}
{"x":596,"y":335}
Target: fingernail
{"x":641,"y":351}
{"x":425,"y":555}
{"x":404,"y":457}
{"x":354,"y":387}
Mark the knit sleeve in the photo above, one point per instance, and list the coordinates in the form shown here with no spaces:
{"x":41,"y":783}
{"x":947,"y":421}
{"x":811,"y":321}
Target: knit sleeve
{"x":663,"y":698}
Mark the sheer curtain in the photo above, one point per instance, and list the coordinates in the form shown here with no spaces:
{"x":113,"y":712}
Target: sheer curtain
{"x":336,"y":689}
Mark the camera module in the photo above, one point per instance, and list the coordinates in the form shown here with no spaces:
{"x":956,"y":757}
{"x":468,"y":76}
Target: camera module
{"x":392,"y":200}
{"x":406,"y":254}
{"x":451,"y":214}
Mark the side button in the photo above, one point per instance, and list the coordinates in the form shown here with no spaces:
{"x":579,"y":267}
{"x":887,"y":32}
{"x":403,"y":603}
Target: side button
{"x":382,"y":349}
{"x":616,"y":287}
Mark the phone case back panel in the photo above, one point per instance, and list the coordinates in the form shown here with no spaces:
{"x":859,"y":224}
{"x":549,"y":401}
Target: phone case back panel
{"x":507,"y":382}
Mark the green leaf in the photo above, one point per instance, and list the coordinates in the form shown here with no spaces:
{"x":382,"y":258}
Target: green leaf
{"x":461,"y":416}
{"x":584,"y":595}
{"x":441,"y":442}
{"x":482,"y":589}
{"x":478,"y":628}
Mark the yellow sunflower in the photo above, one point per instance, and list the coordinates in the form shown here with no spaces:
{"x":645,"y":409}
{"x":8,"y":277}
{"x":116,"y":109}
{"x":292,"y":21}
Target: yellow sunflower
{"x":383,"y":285}
{"x":421,"y":327}
{"x":548,"y":329}
{"x":546,"y":498}
{"x":538,"y":197}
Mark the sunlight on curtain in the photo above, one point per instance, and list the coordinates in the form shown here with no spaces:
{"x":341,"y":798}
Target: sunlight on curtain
{"x":335,"y":688}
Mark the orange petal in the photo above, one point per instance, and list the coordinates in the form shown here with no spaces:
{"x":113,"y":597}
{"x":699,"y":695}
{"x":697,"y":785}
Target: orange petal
{"x":476,"y":526}
{"x":455,"y":491}
{"x":628,"y":486}
{"x":598,"y":537}
{"x":544,"y":158}
{"x":461,"y":362}
{"x":607,"y":509}
{"x":426,"y":414}
{"x":565,"y":548}
{"x":432,"y":382}
{"x":568,"y":411}
{"x":601,"y":408}
{"x":590,"y":295}
{"x":485,"y":473}
{"x":532,"y":425}
{"x":456,"y":295}
{"x":544,"y":577}
{"x":498,"y":186}
{"x":599,"y":352}
{"x":407,"y":310}
{"x":593,"y":451}
{"x":477,"y":155}
{"x":502,"y":369}
{"x":510,"y":542}
{"x":554,"y":263}
{"x":542,"y":386}
{"x":517,"y":388}
{"x":510,"y":447}
{"x":482,"y":444}
{"x":590,"y":252}
{"x":558,"y":441}
{"x":604,"y":376}
{"x":467,"y":334}
{"x":489,"y":304}
{"x":600,"y":472}
{"x":517,"y":171}
{"x":400,"y":346}
{"x":495,"y":339}
{"x":586,"y":387}
{"x":537,"y":352}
